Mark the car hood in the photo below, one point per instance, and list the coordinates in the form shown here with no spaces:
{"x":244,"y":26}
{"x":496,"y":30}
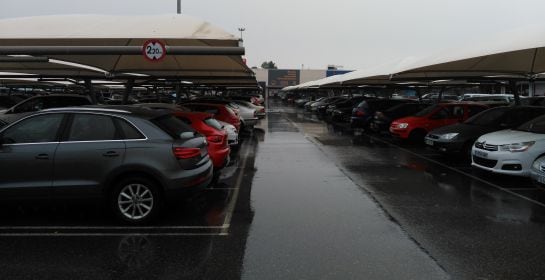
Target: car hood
{"x":464,"y":130}
{"x":510,"y":136}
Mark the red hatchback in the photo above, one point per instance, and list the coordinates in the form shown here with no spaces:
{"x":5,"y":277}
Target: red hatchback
{"x":417,"y":126}
{"x":218,"y":149}
{"x":220,"y":111}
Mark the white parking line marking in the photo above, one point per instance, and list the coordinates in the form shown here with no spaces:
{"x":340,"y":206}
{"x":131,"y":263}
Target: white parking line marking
{"x":523,"y":189}
{"x":106,"y":227}
{"x":233,"y":202}
{"x":462,"y":172}
{"x":107,"y":234}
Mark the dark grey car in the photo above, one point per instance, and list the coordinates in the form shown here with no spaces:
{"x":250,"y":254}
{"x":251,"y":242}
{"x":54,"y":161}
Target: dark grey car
{"x":135,"y":157}
{"x":41,"y":102}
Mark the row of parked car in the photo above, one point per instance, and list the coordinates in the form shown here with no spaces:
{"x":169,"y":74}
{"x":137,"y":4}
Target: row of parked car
{"x":137,"y":156}
{"x":496,"y":135}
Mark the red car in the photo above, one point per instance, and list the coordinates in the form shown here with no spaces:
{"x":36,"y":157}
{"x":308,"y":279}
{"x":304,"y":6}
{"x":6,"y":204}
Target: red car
{"x":417,"y":126}
{"x":221,"y":112}
{"x":218,"y":149}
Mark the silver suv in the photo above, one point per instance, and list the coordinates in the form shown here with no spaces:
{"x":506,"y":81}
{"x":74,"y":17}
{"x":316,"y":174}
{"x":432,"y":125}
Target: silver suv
{"x":136,"y":158}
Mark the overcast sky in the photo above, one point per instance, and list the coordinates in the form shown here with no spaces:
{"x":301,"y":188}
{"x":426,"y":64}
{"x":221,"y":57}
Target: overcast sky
{"x":353,"y":33}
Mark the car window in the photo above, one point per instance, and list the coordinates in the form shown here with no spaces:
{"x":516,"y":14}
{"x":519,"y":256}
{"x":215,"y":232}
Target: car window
{"x":213,"y":123}
{"x":90,"y":127}
{"x":128,"y":130}
{"x":443,"y":113}
{"x":427,"y":111}
{"x":31,"y":105}
{"x":172,"y":125}
{"x":474,"y":110}
{"x":456,"y":111}
{"x":37,"y":129}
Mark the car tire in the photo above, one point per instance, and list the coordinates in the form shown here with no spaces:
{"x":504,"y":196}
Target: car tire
{"x":136,"y":200}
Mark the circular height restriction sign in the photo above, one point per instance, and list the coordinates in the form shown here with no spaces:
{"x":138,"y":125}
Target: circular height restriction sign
{"x":154,"y":50}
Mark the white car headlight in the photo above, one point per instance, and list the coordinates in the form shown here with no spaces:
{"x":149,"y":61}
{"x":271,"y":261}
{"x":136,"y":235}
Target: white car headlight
{"x":449,"y":136}
{"x":517,"y":147}
{"x":402,"y":125}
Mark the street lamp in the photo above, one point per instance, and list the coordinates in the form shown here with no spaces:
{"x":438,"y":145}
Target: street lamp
{"x":241,"y":29}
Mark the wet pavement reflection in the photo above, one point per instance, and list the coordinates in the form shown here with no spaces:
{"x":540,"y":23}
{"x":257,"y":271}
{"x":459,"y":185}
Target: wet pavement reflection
{"x":476,"y":225}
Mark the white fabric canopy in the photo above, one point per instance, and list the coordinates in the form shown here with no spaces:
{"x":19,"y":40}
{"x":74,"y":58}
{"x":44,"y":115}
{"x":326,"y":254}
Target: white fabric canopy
{"x":107,"y":30}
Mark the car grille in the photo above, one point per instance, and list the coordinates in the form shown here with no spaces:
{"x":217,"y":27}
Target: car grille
{"x":484,"y":146}
{"x":433,"y":136}
{"x":484,"y":162}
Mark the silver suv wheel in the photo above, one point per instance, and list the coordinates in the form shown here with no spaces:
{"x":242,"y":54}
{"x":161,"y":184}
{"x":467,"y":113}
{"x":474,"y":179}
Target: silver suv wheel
{"x":135,"y":201}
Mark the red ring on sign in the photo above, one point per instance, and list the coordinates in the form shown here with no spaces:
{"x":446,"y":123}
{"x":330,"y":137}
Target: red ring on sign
{"x":154,"y":42}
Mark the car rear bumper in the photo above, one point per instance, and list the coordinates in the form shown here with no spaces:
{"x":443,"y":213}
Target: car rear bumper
{"x":198,"y":179}
{"x":218,"y":156}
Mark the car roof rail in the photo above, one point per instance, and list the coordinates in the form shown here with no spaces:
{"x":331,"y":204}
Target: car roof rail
{"x":86,"y":109}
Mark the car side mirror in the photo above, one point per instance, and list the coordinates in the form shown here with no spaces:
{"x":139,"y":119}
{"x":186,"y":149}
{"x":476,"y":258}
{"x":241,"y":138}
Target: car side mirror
{"x":187,"y":135}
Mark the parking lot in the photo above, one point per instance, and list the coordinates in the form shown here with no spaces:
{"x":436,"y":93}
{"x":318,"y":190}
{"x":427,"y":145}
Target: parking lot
{"x":302,"y":200}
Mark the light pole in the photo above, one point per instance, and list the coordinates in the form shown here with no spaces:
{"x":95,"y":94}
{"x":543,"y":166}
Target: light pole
{"x":241,"y":29}
{"x":179,"y":7}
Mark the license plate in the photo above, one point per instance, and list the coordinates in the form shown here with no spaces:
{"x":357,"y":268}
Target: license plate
{"x":358,"y":132}
{"x":480,"y":154}
{"x":428,"y":142}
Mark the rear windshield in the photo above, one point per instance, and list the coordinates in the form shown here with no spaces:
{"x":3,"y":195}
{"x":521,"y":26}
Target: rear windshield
{"x":172,"y":125}
{"x":213,"y":123}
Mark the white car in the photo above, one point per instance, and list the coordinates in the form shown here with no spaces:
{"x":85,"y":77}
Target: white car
{"x":232,"y":133}
{"x":511,"y":152}
{"x":248,"y":116}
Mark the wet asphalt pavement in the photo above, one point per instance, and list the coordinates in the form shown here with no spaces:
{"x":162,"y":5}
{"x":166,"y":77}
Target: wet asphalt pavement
{"x":302,"y":200}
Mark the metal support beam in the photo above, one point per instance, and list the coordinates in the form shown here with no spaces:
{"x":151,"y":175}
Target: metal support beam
{"x":17,"y":59}
{"x":116,"y":50}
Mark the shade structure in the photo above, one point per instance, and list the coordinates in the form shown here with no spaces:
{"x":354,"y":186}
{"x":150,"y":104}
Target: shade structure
{"x":121,"y":33}
{"x":517,"y":53}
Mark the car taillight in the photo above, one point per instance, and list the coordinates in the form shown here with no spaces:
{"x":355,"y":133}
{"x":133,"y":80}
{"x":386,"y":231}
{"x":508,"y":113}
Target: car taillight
{"x":360,"y":113}
{"x":185,"y":153}
{"x":214,"y":138}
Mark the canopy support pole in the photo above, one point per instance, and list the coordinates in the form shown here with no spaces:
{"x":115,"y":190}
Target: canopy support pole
{"x":514,"y":91}
{"x":178,"y":92}
{"x":128,"y":90}
{"x":419,"y":94}
{"x":531,"y":87}
{"x":90,"y":92}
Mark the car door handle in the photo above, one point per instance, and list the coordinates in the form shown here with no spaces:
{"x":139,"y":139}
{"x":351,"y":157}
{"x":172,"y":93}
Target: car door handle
{"x":42,"y":156}
{"x":110,"y":154}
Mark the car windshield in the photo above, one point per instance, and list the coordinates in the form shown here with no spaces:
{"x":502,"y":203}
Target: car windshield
{"x":427,"y":111}
{"x":534,"y":126}
{"x":488,"y":117}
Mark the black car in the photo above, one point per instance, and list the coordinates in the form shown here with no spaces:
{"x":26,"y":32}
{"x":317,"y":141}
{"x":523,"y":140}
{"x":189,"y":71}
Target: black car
{"x":459,"y":138}
{"x":321,"y":109}
{"x":363,"y":114}
{"x":7,"y":101}
{"x":341,"y":111}
{"x":382,"y":119}
{"x":42,"y":102}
